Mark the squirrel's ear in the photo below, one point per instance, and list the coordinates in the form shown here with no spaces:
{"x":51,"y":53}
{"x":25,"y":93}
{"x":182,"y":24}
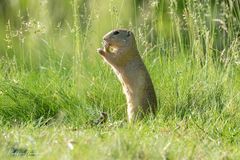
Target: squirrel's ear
{"x":128,"y":33}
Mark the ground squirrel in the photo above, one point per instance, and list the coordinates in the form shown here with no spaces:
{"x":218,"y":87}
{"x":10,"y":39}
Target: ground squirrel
{"x":121,"y":53}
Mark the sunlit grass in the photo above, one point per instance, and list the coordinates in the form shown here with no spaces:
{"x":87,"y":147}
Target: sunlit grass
{"x":53,"y":84}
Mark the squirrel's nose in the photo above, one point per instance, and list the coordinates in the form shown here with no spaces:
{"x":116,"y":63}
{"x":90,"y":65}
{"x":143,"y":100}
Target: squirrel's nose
{"x":104,"y":38}
{"x":107,"y":37}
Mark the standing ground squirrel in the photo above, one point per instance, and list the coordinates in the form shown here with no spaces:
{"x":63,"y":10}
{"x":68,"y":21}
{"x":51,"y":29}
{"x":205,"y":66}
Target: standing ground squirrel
{"x":121,"y":53}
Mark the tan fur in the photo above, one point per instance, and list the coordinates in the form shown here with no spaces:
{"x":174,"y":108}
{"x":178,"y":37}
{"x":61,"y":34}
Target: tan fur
{"x":121,"y":53}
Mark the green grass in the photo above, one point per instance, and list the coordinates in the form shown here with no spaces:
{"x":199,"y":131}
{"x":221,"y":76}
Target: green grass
{"x":53,"y":84}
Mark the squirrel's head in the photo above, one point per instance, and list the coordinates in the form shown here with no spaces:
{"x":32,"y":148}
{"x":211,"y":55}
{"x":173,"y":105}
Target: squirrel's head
{"x":120,"y":39}
{"x":119,"y":46}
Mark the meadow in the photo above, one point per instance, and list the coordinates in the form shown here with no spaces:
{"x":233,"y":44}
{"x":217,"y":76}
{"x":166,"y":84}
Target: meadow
{"x":54,"y":85}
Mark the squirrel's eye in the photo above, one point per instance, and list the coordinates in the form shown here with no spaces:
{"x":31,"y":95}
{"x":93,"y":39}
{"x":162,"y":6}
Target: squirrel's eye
{"x":115,"y":32}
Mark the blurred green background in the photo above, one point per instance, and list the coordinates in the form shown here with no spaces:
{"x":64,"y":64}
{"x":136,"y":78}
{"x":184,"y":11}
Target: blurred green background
{"x":30,"y":29}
